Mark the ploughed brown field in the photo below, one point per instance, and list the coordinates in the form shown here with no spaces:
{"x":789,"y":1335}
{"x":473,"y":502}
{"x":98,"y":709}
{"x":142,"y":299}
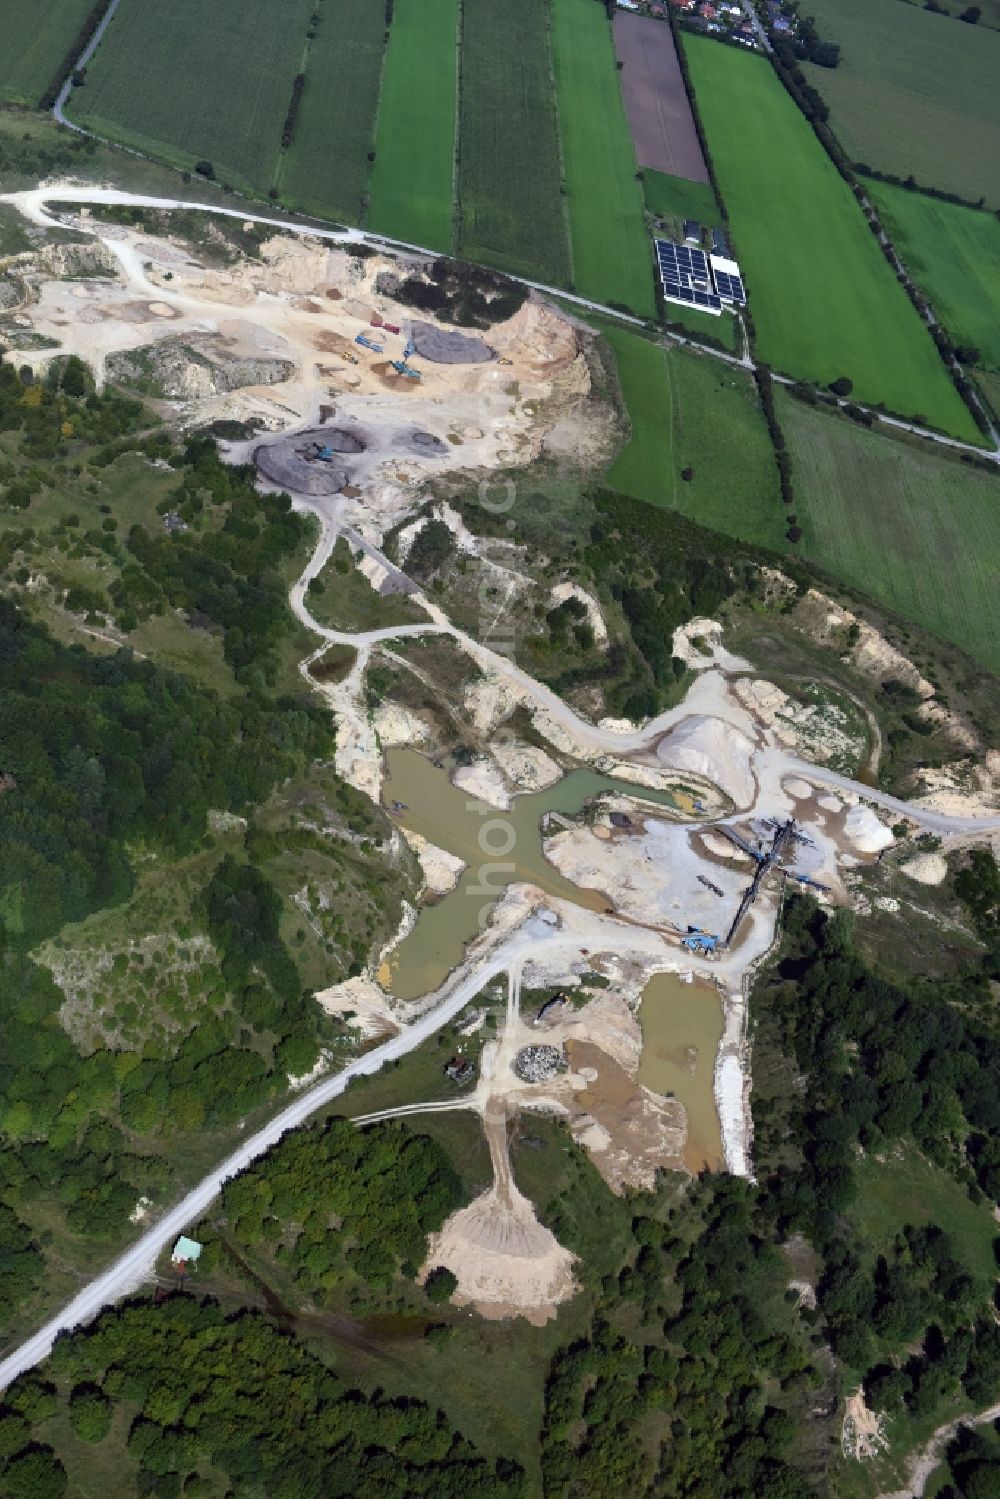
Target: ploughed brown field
{"x":656,"y":104}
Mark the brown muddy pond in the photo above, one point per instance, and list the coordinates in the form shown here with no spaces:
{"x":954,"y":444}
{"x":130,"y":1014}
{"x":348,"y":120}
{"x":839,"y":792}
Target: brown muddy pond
{"x":681,"y":1029}
{"x":500,"y":849}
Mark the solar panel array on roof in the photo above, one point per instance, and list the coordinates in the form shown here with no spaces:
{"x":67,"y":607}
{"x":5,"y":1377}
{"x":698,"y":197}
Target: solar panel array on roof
{"x":730,"y":288}
{"x":685,"y":275}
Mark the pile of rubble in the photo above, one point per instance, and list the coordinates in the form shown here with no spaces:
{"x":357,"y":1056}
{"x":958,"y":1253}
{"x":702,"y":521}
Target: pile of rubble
{"x":539,"y":1064}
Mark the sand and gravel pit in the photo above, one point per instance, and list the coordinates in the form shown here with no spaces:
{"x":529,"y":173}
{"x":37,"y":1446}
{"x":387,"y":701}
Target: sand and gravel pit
{"x":423,"y":443}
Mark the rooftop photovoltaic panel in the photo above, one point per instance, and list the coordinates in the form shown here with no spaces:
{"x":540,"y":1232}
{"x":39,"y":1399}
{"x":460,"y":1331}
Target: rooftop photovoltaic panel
{"x":728,"y":280}
{"x":685,"y":275}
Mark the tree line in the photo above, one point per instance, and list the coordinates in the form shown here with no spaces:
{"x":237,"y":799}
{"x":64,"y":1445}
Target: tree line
{"x":230,"y":1395}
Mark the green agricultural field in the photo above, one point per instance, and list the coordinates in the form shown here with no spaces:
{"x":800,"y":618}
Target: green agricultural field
{"x":675,"y":197}
{"x":989,"y":388}
{"x":325,"y":170}
{"x":35,"y":38}
{"x":824,"y":301}
{"x":952,"y":253}
{"x":612,"y":254}
{"x":510,"y":207}
{"x":915,"y":93}
{"x":990,"y":16}
{"x":915,"y":532}
{"x":689,"y":411}
{"x":191,"y":82}
{"x":411,"y":192}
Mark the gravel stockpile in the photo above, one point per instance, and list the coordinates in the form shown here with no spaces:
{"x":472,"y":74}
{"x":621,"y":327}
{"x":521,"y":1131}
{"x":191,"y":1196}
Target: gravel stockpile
{"x":442,"y":347}
{"x":286,"y":463}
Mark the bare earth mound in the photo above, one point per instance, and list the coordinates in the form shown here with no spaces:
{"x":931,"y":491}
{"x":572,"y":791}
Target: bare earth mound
{"x":283,"y":463}
{"x":507,"y":1263}
{"x":713,"y":749}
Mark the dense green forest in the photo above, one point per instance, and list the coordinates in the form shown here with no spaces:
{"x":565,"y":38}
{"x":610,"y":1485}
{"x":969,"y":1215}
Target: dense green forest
{"x":114,"y":773}
{"x":230,"y":1404}
{"x":885,"y":1063}
{"x":385,"y":1188}
{"x":99,"y":754}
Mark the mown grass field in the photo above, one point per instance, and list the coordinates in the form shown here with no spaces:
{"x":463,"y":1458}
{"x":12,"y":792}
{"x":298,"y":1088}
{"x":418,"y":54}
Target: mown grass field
{"x":824,"y":301}
{"x":612,"y":256}
{"x":990,"y":10}
{"x":35,"y":37}
{"x":510,"y":205}
{"x":907,"y":1188}
{"x":191,"y":82}
{"x":677,"y":198}
{"x":914,"y":93}
{"x":702,"y":324}
{"x":953,"y":254}
{"x":918,"y":533}
{"x":325,"y":170}
{"x":411,"y":191}
{"x":687,"y":410}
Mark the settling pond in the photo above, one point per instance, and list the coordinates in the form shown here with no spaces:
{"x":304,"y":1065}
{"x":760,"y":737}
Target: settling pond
{"x":500,"y":849}
{"x":681,"y":1022}
{"x":681,"y":1029}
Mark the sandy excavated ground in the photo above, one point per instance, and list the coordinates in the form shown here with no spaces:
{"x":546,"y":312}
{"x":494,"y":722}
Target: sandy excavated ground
{"x":506,"y":1262}
{"x":441,"y":870}
{"x":629,"y":1131}
{"x":968,"y":786}
{"x":273,"y":340}
{"x":863,"y":1435}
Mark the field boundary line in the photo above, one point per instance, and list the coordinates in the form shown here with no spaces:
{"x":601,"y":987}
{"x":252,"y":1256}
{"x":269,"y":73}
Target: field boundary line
{"x":456,"y":146}
{"x":304,"y":70}
{"x":366,"y":197}
{"x":675,"y":423}
{"x":833,"y":149}
{"x":563,"y":182}
{"x":260,"y":85}
{"x":62,"y":98}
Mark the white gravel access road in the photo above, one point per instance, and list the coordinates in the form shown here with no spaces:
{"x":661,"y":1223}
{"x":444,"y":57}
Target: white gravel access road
{"x":588,"y":735}
{"x":136,"y":1264}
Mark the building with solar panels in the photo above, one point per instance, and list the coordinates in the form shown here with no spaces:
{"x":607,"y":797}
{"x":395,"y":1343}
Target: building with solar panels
{"x":686,"y":276}
{"x":694,"y":279}
{"x":728,"y":281}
